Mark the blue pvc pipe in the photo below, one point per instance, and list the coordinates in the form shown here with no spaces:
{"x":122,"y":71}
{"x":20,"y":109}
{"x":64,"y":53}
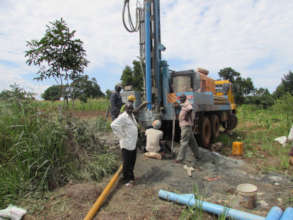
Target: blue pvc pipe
{"x":188,"y":199}
{"x":148,"y":54}
{"x":288,"y":214}
{"x":274,"y":214}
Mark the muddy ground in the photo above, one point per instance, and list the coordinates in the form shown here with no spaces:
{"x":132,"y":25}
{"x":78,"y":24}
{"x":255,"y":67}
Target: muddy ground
{"x":215,"y":176}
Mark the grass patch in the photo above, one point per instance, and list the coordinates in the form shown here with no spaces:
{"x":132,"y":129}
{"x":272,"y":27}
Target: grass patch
{"x":41,"y":149}
{"x":100,"y":104}
{"x":257,"y":129}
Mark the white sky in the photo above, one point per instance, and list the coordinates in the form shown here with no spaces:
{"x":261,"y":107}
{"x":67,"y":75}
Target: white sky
{"x":251,"y":36}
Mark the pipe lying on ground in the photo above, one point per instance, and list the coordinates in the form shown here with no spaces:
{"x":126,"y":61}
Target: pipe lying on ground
{"x":189,"y":200}
{"x":274,"y":214}
{"x":288,"y":214}
{"x":103,"y":195}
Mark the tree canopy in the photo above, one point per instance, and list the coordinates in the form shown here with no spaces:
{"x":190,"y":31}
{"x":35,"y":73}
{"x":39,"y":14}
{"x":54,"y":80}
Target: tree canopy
{"x":286,"y":86}
{"x":17,"y":92}
{"x":133,"y":76}
{"x":83,"y":88}
{"x":108,"y":93}
{"x":241,"y":86}
{"x":260,"y":97}
{"x":57,"y":54}
{"x":53,"y":93}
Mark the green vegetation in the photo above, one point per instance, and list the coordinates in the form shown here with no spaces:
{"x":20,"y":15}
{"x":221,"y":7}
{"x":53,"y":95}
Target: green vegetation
{"x":133,"y":76}
{"x":53,"y":93}
{"x":100,"y":104}
{"x":58,"y":54}
{"x":41,"y":149}
{"x":196,"y":212}
{"x":286,"y":86}
{"x":241,"y":86}
{"x":245,"y":92}
{"x":257,"y":130}
{"x":83,"y":88}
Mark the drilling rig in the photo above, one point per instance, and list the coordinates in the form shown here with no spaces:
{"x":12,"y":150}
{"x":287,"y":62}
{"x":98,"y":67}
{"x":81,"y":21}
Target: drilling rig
{"x":213,"y":104}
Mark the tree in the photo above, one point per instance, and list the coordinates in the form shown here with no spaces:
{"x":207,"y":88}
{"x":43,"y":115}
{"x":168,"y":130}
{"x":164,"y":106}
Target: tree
{"x":286,"y":86}
{"x":83,"y":88}
{"x":288,"y":82}
{"x":133,"y":77}
{"x":280,"y":91}
{"x":53,"y":93}
{"x":241,"y":86}
{"x":260,"y":97}
{"x":57,"y":54}
{"x":108,"y":93}
{"x":16,"y":92}
{"x":229,"y":74}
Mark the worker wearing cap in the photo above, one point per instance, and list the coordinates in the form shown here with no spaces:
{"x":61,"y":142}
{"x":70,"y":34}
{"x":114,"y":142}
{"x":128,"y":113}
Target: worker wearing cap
{"x":155,"y":146}
{"x":125,"y":128}
{"x":153,"y":137}
{"x":116,"y":102}
{"x":131,"y":99}
{"x":187,"y":136}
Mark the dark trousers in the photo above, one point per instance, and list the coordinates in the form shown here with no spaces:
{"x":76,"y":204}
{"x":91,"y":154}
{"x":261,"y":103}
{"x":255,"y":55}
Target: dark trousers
{"x":114,"y":115}
{"x":129,"y":158}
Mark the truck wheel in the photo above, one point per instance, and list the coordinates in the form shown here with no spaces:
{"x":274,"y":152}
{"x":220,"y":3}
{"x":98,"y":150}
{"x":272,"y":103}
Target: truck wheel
{"x":205,"y":132}
{"x":232,"y":121}
{"x":215,"y":126}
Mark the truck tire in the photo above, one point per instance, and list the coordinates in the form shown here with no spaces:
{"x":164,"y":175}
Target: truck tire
{"x":215,"y":121}
{"x":231,"y":123}
{"x":205,"y":132}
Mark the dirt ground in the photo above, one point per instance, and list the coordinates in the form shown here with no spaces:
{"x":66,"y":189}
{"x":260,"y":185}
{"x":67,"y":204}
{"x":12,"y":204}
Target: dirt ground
{"x":215,"y":177}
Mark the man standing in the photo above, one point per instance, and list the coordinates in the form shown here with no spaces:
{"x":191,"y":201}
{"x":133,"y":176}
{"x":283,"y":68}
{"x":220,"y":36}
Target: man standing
{"x":116,"y":102}
{"x":125,"y":128}
{"x":187,"y":136}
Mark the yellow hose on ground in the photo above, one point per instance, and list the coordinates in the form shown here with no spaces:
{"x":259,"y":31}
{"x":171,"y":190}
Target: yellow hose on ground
{"x":103,"y":196}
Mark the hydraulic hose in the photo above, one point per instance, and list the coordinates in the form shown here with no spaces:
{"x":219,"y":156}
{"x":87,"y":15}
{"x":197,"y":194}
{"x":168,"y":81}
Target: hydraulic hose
{"x":130,"y":27}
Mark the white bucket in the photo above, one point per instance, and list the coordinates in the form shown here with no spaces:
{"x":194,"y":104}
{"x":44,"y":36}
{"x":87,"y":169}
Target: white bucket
{"x":247,"y":194}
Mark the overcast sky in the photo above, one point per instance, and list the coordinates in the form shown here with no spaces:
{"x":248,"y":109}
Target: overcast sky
{"x":254,"y":37}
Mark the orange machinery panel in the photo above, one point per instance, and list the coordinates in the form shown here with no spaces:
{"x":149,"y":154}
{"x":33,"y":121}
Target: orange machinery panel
{"x":207,"y":84}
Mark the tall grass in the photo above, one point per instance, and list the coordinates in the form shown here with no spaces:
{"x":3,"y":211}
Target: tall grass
{"x":100,"y":104}
{"x":41,"y":149}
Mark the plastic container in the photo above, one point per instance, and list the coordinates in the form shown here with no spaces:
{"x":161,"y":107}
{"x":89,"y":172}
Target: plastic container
{"x":247,"y":195}
{"x":237,"y":148}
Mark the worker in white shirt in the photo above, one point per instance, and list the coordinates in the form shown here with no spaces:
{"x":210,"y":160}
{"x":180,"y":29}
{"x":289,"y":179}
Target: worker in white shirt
{"x":125,"y":128}
{"x":155,"y":146}
{"x":153,"y":137}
